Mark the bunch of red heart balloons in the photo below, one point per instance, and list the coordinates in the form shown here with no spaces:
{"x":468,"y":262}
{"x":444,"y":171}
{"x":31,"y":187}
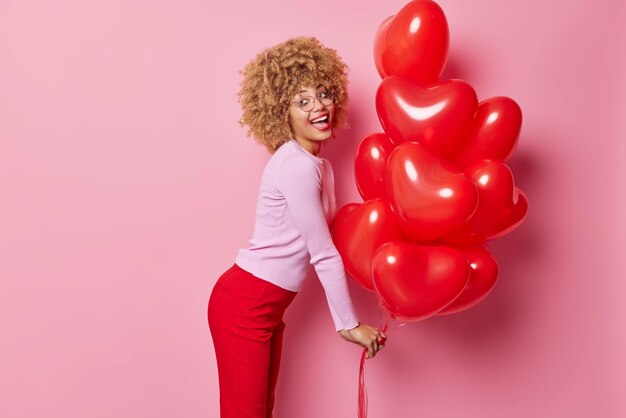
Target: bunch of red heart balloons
{"x":435,"y":184}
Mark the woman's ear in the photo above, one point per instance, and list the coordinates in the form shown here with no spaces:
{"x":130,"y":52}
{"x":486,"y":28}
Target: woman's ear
{"x":290,"y":127}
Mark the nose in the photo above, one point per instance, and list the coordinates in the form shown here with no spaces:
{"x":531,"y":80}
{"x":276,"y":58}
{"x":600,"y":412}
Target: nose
{"x":317,"y":106}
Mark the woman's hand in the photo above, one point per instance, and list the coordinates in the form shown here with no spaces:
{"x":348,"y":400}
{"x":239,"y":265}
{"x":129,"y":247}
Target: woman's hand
{"x":366,"y":336}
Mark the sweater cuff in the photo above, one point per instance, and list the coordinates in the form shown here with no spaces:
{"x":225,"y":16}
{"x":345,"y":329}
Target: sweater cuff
{"x":349,"y":326}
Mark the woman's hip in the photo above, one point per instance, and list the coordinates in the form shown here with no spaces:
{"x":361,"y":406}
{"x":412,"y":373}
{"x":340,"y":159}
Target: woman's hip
{"x":242,"y":299}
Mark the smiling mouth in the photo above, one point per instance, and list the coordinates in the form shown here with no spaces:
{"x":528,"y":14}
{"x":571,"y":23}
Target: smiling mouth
{"x":322,"y":122}
{"x":323,"y":118}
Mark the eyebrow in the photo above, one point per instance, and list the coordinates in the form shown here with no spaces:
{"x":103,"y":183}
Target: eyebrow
{"x":318,"y":86}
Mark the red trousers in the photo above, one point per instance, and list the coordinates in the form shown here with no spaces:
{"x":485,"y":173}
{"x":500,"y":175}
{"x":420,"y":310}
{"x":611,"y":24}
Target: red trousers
{"x":246,"y":321}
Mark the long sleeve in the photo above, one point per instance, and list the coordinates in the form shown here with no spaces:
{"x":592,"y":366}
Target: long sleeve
{"x":300,"y":182}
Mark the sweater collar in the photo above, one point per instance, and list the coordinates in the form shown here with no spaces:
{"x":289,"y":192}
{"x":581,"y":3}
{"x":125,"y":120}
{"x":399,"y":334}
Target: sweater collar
{"x":318,"y":160}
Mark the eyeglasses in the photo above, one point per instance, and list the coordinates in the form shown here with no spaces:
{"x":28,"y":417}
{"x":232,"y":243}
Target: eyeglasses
{"x":307,"y":103}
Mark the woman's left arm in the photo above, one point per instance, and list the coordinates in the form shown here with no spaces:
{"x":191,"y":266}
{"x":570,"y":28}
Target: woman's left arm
{"x":300,"y":183}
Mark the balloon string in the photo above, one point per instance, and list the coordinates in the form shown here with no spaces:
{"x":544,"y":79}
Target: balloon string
{"x":362,"y":411}
{"x":362,"y":406}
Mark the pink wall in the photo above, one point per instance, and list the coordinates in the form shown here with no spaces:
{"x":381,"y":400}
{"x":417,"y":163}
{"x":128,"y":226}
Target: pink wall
{"x":127,"y":186}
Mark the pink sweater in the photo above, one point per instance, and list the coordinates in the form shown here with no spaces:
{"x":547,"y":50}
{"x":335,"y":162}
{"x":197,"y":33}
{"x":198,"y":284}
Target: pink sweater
{"x":295,"y":208}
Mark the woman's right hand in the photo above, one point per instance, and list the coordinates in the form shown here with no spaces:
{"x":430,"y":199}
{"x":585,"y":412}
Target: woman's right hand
{"x":366,"y":336}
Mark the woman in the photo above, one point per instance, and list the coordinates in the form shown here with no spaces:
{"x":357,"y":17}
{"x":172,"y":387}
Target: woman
{"x":292,"y":95}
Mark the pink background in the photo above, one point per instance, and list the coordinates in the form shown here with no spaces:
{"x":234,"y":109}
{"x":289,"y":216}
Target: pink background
{"x":127,"y":186}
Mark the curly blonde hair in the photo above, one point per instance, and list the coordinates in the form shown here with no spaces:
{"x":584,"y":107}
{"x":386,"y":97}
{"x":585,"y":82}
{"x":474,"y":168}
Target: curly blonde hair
{"x":274,"y":77}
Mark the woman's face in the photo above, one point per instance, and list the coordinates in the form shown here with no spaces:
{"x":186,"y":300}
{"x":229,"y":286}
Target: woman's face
{"x":311,"y":114}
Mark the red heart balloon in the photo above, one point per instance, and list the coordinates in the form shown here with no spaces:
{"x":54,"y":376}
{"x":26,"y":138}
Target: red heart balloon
{"x":380,"y":44}
{"x":414,"y":43}
{"x":414,"y":282}
{"x":483,"y":275}
{"x":429,"y":196}
{"x":370,"y":166}
{"x":358,"y":230}
{"x":501,"y":205}
{"x":493,"y":132}
{"x":435,"y":116}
